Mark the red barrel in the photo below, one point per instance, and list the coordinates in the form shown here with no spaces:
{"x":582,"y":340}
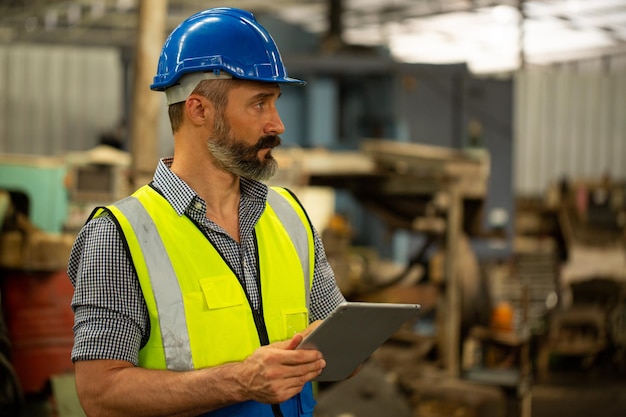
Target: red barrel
{"x":39,"y":320}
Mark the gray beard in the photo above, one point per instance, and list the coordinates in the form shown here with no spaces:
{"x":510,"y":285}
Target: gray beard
{"x":239,"y":160}
{"x":233,"y":155}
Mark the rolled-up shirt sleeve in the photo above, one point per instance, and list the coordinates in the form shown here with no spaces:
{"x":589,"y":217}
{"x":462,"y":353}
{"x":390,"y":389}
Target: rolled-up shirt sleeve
{"x":110,"y":315}
{"x":325,"y":295}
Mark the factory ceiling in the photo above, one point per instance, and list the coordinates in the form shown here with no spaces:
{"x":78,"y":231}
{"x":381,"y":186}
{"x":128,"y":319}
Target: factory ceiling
{"x":488,"y":35}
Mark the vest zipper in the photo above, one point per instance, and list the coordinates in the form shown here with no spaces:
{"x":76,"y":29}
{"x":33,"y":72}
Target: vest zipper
{"x":257,"y":313}
{"x":264,"y":338}
{"x":259,"y":321}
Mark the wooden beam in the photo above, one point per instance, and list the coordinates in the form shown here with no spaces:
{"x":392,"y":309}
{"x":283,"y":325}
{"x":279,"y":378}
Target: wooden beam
{"x":146,"y":104}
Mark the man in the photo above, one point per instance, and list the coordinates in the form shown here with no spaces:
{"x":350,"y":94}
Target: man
{"x":192,"y":294}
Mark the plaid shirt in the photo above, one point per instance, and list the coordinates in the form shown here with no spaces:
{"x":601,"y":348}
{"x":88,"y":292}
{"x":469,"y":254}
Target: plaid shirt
{"x":110,"y":315}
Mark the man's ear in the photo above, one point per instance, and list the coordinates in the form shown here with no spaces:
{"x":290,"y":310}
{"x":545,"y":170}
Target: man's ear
{"x":198,"y":109}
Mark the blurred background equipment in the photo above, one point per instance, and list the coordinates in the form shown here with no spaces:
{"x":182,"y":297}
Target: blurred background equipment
{"x":45,"y":201}
{"x":11,"y":396}
{"x":591,"y":224}
{"x":36,"y":321}
{"x":94,"y":178}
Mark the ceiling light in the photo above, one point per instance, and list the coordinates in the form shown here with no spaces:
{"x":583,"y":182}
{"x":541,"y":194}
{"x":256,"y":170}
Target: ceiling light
{"x":504,"y":15}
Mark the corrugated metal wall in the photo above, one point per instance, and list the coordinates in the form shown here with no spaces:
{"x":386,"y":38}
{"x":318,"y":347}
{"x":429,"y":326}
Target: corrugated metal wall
{"x":570,"y":122}
{"x":56,"y":98}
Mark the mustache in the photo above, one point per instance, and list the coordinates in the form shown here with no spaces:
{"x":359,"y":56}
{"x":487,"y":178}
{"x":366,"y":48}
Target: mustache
{"x":268,"y":141}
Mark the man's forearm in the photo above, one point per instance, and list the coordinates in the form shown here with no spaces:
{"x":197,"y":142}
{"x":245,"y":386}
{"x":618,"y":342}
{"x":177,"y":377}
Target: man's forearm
{"x":121,"y":389}
{"x":271,"y":374}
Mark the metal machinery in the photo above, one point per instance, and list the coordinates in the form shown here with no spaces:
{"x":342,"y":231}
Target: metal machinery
{"x":43,"y":202}
{"x":432,"y":191}
{"x":96,"y":177}
{"x":36,"y":331}
{"x":11,"y":396}
{"x":426,"y":189}
{"x":589,"y":323}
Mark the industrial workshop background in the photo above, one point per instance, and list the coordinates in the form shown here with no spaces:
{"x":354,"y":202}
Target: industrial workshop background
{"x":466,"y":155}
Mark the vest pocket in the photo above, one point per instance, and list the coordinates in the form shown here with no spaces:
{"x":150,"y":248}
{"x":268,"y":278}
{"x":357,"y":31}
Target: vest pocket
{"x":222,"y":292}
{"x":224,"y":325}
{"x":294,"y":320}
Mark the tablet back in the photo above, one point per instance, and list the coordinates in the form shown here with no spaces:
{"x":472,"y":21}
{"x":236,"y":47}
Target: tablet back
{"x":353,"y":332}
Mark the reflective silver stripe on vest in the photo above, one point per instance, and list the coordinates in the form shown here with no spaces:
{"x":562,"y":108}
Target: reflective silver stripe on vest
{"x":167,"y":294}
{"x":297,"y":232}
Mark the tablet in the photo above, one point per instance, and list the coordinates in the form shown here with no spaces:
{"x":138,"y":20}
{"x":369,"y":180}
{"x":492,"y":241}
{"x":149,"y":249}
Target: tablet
{"x":353,"y":332}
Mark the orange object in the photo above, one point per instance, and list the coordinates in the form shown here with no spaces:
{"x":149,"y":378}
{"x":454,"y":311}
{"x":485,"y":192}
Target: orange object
{"x":502,"y":317}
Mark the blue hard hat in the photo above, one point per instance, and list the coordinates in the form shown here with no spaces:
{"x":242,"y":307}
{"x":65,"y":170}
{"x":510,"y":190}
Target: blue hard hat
{"x":221,"y":39}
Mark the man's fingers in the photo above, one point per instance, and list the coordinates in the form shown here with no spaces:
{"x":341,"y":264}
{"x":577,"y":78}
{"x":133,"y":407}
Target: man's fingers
{"x":276,"y":370}
{"x":293,"y":342}
{"x":285,"y":353}
{"x":311,"y":327}
{"x":299,"y":375}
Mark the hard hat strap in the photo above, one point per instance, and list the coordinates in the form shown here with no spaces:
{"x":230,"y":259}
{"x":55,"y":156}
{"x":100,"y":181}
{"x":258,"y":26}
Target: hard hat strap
{"x":188,"y":82}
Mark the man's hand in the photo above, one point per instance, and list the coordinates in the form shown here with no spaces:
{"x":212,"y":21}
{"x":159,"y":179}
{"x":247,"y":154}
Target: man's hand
{"x":276,"y":372}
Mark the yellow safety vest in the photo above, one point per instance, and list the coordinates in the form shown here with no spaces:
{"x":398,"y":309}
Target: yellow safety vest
{"x":200,"y":315}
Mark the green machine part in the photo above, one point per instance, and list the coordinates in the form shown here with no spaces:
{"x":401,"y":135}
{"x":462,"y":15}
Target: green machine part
{"x":41,"y":180}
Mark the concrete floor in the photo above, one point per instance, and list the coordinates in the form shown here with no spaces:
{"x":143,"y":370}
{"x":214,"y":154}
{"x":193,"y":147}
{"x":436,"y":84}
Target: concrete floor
{"x":580,"y":394}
